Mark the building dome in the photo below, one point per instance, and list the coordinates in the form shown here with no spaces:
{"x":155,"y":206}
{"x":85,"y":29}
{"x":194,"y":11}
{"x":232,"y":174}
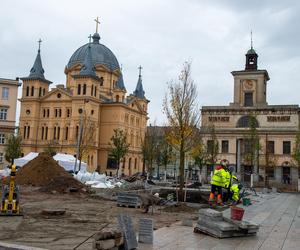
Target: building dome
{"x":101,"y":55}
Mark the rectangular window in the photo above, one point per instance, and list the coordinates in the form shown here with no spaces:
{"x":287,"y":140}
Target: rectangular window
{"x":79,"y":89}
{"x":270,"y":172}
{"x":270,"y":147}
{"x":48,"y":112}
{"x":247,"y":146}
{"x":3,"y":114}
{"x":43,"y":131}
{"x":68,"y":112}
{"x":2,"y":138}
{"x":5,"y":91}
{"x":210,"y":146}
{"x":32,"y":91}
{"x":44,"y":112}
{"x":55,"y":112}
{"x":248,"y":100}
{"x":1,"y":157}
{"x":92,"y":90}
{"x":286,"y":147}
{"x":225,"y":146}
{"x":59,"y":112}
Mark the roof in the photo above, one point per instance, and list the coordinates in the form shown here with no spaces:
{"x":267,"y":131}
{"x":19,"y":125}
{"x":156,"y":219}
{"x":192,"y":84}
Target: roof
{"x":37,"y":70}
{"x":251,"y":52}
{"x":120,"y":83}
{"x":100,"y":55}
{"x":139,"y":91}
{"x":88,"y":68}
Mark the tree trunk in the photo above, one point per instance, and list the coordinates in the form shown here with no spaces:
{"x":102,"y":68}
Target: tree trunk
{"x":181,"y":174}
{"x":118,"y":166}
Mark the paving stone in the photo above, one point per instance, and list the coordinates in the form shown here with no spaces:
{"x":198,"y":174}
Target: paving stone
{"x":126,"y":226}
{"x":146,"y":231}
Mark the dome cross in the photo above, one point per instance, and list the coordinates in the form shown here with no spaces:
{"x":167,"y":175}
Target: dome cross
{"x":97,"y":22}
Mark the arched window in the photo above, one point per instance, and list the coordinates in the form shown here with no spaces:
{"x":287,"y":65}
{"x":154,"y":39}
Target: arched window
{"x":42,"y":135}
{"x":95,"y":91}
{"x":32,"y":91}
{"x":84,"y":89}
{"x":101,"y":81}
{"x":135,"y":163}
{"x":44,"y":90}
{"x":40,"y":91}
{"x":46,"y":133}
{"x":247,"y":121}
{"x":27,"y":91}
{"x":92,"y":90}
{"x":117,"y":98}
{"x":79,"y":89}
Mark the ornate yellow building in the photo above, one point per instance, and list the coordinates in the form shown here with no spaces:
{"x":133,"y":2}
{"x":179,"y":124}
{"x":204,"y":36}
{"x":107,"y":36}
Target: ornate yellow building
{"x":93,"y":103}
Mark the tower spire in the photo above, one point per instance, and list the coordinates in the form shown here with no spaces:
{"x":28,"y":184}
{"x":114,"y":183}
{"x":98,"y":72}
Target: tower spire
{"x":37,"y":70}
{"x":139,"y":90}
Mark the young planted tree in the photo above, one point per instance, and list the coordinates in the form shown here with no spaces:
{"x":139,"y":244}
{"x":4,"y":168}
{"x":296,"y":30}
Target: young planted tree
{"x":183,"y":116}
{"x":167,"y":154}
{"x":212,"y":147}
{"x":199,"y":154}
{"x":149,"y":147}
{"x":252,"y":145}
{"x":118,"y":146}
{"x":13,"y":148}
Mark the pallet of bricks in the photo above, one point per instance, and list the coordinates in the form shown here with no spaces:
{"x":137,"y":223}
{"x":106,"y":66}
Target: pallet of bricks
{"x":108,"y":239}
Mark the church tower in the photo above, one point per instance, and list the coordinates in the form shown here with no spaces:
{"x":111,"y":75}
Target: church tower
{"x":35,"y":86}
{"x":139,"y":92}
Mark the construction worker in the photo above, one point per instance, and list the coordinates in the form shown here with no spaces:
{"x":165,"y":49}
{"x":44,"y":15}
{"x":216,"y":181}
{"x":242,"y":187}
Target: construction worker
{"x":218,"y":181}
{"x":234,"y":191}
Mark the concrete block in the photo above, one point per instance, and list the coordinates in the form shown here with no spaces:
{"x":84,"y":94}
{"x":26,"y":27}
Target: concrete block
{"x":104,"y":244}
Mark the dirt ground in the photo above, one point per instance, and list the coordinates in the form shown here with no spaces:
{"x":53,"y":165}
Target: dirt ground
{"x":84,"y":216}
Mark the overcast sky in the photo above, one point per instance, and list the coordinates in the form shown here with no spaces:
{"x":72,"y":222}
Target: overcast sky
{"x":160,"y":35}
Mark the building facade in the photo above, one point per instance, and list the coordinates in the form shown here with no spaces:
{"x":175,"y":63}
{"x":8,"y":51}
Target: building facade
{"x":90,"y":106}
{"x":275,"y":126}
{"x":8,"y":105}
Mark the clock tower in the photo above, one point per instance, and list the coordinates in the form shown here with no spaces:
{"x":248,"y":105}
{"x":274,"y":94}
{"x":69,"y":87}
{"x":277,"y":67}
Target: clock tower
{"x":250,"y":84}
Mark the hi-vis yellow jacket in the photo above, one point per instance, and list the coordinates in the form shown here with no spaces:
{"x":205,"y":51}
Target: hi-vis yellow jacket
{"x":219,"y":177}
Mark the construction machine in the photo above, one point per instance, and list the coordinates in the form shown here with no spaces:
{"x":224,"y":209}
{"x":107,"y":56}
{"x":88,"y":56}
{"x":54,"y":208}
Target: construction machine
{"x":10,"y":196}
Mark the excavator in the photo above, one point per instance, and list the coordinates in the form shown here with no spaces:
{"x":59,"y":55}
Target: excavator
{"x":10,"y":205}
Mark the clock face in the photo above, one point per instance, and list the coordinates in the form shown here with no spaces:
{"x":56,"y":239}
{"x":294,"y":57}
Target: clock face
{"x":248,"y":84}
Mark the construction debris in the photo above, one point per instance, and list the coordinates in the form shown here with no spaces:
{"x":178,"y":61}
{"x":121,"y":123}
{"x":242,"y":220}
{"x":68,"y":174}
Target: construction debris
{"x":108,"y":239}
{"x":213,"y":223}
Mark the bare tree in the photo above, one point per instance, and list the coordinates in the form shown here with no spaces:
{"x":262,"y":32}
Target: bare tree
{"x":183,"y":116}
{"x":87,"y":138}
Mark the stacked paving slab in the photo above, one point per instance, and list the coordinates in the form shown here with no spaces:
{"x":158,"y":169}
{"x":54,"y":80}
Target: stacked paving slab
{"x":215,"y":224}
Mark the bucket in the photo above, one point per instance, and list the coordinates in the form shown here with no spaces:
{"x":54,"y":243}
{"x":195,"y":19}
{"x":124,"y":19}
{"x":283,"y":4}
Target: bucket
{"x":246,"y":202}
{"x":237,"y":213}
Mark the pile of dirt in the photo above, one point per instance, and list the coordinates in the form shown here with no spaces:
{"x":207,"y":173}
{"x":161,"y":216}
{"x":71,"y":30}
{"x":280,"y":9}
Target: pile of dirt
{"x":43,"y":171}
{"x":179,"y":207}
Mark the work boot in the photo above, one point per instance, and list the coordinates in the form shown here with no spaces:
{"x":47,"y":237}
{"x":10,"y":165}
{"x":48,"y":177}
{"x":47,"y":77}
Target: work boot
{"x":211,"y":200}
{"x":219,"y":200}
